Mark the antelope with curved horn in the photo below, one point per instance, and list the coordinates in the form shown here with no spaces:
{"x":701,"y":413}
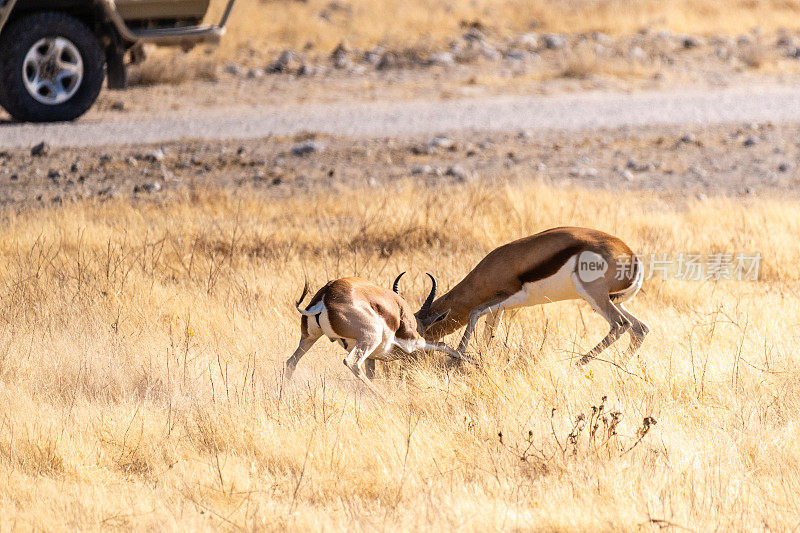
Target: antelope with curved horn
{"x":369,"y":321}
{"x":557,"y":264}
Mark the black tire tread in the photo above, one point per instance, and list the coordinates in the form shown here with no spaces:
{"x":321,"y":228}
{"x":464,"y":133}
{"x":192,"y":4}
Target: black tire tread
{"x":16,"y":40}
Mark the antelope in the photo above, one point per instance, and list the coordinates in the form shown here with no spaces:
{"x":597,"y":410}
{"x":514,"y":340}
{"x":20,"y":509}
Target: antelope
{"x":558,"y":264}
{"x":369,"y":321}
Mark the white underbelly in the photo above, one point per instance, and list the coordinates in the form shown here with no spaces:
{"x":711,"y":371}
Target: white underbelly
{"x":555,"y":288}
{"x":385,"y":350}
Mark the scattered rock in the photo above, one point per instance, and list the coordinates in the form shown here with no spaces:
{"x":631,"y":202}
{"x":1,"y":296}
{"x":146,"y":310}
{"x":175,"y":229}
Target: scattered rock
{"x":75,"y":167}
{"x":750,"y":141}
{"x":457,"y":172}
{"x":148,"y":187}
{"x":517,"y":54}
{"x":235,"y":70}
{"x":41,"y":149}
{"x":155,"y":155}
{"x":474,"y":35}
{"x":14,"y":177}
{"x":373,"y":57}
{"x":442,"y":142}
{"x":387,"y":61}
{"x":287,"y":61}
{"x":444,"y":59}
{"x":784,"y":167}
{"x":692,"y":41}
{"x":418,"y":170}
{"x":637,"y":54}
{"x":118,"y":105}
{"x":527,"y":41}
{"x":341,"y":56}
{"x":688,"y":138}
{"x":554,"y":41}
{"x":54,"y":174}
{"x":306,"y":148}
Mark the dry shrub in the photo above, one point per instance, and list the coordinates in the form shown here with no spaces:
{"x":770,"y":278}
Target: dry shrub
{"x":169,"y":69}
{"x":756,"y":55}
{"x":580,"y":64}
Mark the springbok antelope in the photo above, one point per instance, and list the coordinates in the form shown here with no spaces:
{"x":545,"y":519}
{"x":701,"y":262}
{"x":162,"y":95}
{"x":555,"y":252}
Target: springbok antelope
{"x":370,"y":321}
{"x":557,"y":264}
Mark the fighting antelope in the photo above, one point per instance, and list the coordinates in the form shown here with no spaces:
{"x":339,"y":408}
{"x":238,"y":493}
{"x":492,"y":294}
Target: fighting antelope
{"x":370,"y":321}
{"x":557,"y":264}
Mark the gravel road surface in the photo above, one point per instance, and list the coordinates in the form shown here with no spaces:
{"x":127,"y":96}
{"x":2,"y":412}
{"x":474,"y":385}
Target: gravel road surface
{"x":570,"y":112}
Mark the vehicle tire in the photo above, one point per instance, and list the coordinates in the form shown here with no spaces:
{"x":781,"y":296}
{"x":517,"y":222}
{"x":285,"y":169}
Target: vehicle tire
{"x":51,"y":68}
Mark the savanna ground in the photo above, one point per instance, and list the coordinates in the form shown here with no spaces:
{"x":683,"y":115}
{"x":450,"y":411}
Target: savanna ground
{"x":144,"y":339}
{"x":392,"y":48}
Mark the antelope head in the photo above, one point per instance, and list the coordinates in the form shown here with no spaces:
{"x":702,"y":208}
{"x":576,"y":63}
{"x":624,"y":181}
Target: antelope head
{"x":425,"y":319}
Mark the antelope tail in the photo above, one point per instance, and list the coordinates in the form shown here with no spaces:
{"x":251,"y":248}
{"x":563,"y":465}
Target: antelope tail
{"x":311,"y":311}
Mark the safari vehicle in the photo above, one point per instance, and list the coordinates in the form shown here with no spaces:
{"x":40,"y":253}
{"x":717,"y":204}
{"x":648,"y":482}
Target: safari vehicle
{"x":55,"y":54}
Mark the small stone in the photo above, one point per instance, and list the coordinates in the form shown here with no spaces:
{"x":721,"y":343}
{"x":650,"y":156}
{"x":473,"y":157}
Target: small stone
{"x":373,"y":57}
{"x":784,"y":167}
{"x":286,"y":61}
{"x":527,"y":41}
{"x":118,"y":105}
{"x":40,"y":149}
{"x":457,"y":172}
{"x":235,"y":70}
{"x":515,"y":54}
{"x":14,"y":177}
{"x":387,"y":61}
{"x":419,"y":170}
{"x":750,"y":141}
{"x":693,"y":41}
{"x":254,"y":74}
{"x":147,"y":187}
{"x":306,"y":148}
{"x":155,"y":155}
{"x":628,"y":175}
{"x":444,"y":59}
{"x":603,"y":39}
{"x":75,"y":167}
{"x":341,"y":56}
{"x":637,"y":54}
{"x":554,"y":41}
{"x":489,"y":52}
{"x":474,"y":35}
{"x":54,"y":174}
{"x":688,"y":138}
{"x":442,"y":142}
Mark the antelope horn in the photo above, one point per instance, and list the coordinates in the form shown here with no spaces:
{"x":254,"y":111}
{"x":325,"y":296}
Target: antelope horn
{"x":396,"y":284}
{"x":427,"y":305}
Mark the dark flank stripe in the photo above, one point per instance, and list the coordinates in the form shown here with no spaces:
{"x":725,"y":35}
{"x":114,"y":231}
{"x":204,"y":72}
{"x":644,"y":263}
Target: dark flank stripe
{"x":317,"y":317}
{"x":550,"y":266}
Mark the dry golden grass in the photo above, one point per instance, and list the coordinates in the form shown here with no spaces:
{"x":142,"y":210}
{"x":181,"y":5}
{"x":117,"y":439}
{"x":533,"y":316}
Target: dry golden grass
{"x":142,"y":347}
{"x":270,"y":25}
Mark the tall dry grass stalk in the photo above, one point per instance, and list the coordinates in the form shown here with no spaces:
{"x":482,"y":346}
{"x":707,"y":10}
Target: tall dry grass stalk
{"x":142,"y":346}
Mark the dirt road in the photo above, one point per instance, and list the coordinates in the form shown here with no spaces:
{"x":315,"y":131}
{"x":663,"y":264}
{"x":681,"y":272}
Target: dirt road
{"x":570,"y":112}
